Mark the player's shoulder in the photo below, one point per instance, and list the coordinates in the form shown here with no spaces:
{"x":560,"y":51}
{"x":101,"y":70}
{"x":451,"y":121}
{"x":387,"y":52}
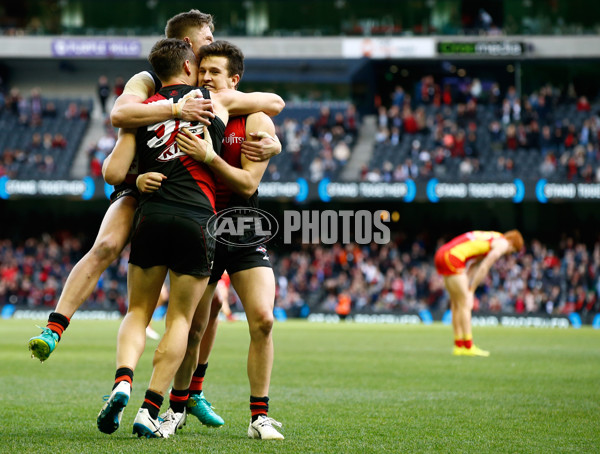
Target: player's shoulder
{"x":146,"y":76}
{"x":143,"y":85}
{"x":259,"y":120}
{"x":500,"y":243}
{"x":258,"y":116}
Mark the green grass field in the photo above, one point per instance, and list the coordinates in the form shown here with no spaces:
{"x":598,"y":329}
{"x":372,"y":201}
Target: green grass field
{"x":344,"y":388}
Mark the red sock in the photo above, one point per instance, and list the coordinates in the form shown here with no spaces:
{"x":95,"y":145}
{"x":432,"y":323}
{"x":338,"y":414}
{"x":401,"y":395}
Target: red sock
{"x":459,"y":342}
{"x":468,"y":342}
{"x":198,"y":379}
{"x":196,"y":385}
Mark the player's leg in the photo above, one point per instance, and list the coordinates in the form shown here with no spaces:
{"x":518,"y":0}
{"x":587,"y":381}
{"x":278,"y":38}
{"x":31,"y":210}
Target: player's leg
{"x":458,"y":289}
{"x":162,"y":302}
{"x":256,"y":289}
{"x":462,"y":305}
{"x":190,"y":375}
{"x":143,"y":287}
{"x":143,"y":290}
{"x":186,"y":292}
{"x":110,"y":241}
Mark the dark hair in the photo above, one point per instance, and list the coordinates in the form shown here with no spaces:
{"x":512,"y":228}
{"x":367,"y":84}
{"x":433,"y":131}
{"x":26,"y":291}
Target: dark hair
{"x":234,"y":55}
{"x":168,"y":56}
{"x":179,"y":25}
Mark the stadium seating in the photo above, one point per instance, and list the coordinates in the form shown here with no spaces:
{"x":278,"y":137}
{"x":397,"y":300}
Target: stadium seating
{"x":22,"y":158}
{"x":435,"y":152}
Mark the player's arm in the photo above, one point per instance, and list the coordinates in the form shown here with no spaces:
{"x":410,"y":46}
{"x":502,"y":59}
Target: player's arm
{"x":117,"y":163}
{"x":242,"y":181}
{"x":129,"y":112}
{"x":499,"y":248}
{"x":149,"y":181}
{"x":238,"y":103}
{"x":261,"y":146}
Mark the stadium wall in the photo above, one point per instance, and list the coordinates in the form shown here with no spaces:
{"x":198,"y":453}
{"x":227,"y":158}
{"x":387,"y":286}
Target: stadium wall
{"x":431,"y":47}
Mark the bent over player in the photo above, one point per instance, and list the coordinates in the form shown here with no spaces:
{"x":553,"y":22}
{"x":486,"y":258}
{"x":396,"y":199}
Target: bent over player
{"x":464,"y":262}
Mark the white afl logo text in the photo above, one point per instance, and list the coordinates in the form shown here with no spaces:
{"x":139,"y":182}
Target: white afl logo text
{"x":242,"y":226}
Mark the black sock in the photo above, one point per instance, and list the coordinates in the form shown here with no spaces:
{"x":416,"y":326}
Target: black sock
{"x":201,"y":370}
{"x":178,"y":399}
{"x":259,"y":406}
{"x":58,"y":323}
{"x":152,"y":403}
{"x":123,"y":374}
{"x":198,"y":379}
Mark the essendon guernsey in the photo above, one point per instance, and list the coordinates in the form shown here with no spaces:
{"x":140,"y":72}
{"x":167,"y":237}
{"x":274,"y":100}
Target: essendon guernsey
{"x":188,"y":182}
{"x":231,"y":152}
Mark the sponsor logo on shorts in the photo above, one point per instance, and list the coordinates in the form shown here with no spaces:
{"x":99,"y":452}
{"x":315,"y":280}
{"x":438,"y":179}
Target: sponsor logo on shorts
{"x":263,"y":251}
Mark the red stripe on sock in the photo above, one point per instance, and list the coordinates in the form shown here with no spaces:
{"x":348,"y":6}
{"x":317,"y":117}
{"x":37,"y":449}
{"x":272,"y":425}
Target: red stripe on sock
{"x":57,"y":328}
{"x":123,"y":378}
{"x":196,"y":385}
{"x":258,"y":408}
{"x":179,"y":398}
{"x":148,"y":401}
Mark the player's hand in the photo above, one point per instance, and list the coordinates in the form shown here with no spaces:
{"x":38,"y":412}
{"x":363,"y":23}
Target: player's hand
{"x":196,"y":148}
{"x":262,"y":147}
{"x":149,"y":182}
{"x":197,"y":109}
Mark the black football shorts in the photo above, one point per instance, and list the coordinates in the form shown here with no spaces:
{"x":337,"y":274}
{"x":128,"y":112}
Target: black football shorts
{"x":177,"y":242}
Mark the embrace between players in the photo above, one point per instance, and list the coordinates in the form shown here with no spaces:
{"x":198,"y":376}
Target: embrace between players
{"x":177,"y":149}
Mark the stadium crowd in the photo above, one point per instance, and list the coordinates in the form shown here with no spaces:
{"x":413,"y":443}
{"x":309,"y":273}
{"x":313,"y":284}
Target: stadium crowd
{"x":45,"y":133}
{"x":396,"y":277}
{"x":455,"y":128}
{"x":468,"y":128}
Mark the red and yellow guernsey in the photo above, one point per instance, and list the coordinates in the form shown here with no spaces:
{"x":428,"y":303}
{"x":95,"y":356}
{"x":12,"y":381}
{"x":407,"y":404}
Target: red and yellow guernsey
{"x":453,"y":256}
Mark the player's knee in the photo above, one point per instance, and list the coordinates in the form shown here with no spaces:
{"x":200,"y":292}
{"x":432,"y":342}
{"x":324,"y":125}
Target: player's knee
{"x":263,"y":324}
{"x":194,"y":338}
{"x":105,"y":251}
{"x":215,"y":307}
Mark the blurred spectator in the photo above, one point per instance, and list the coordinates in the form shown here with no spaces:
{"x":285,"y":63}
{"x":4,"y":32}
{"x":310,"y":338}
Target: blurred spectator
{"x":59,"y":141}
{"x":72,"y":111}
{"x":103,"y":92}
{"x":119,"y":86}
{"x":49,"y":110}
{"x":583,"y":105}
{"x":398,"y":97}
{"x":273,"y":173}
{"x":316,"y":170}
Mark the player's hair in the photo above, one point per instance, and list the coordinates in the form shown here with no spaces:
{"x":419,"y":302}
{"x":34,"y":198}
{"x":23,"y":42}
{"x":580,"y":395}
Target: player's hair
{"x":515,"y":238}
{"x":168,"y":56}
{"x":179,"y":25}
{"x":233,"y":54}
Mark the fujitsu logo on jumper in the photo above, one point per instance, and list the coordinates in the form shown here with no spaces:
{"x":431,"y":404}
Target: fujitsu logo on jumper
{"x":232,"y":138}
